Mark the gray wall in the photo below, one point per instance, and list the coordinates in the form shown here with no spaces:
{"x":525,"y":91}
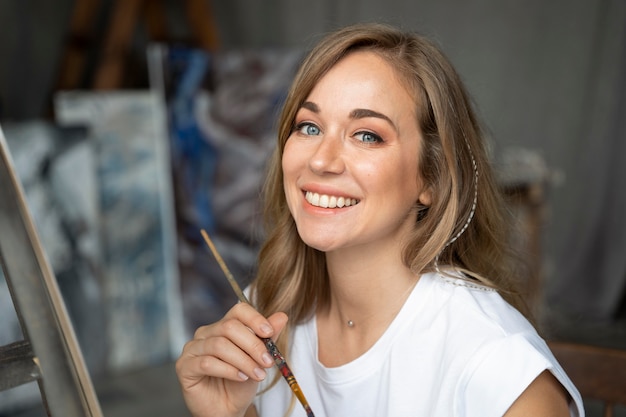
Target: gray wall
{"x":547,"y":76}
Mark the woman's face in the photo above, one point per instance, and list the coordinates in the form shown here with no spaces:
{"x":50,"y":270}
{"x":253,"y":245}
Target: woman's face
{"x":351,"y":163}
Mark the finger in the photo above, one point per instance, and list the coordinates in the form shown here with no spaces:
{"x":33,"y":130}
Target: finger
{"x":202,"y":332}
{"x":278,"y":321}
{"x":250,"y":363}
{"x":193,"y":369}
{"x":233,"y":342}
{"x":254,"y":320}
{"x":220,"y":357}
{"x":246,"y":314}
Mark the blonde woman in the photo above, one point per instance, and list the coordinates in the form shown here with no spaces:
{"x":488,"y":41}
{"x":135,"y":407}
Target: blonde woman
{"x":385,"y":276}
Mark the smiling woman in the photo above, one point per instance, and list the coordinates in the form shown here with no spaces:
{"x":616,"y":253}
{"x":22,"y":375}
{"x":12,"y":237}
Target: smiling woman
{"x":355,"y":153}
{"x":386,"y":251}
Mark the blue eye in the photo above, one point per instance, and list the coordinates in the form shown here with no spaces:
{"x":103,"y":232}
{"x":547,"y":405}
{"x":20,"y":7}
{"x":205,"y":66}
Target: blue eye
{"x":369,"y":137}
{"x":308,"y":129}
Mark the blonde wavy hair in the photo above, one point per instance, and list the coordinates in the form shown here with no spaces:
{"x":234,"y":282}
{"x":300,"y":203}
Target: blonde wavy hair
{"x":292,"y":277}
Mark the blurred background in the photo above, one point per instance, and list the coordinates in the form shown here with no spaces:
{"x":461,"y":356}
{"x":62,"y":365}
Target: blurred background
{"x":134,"y":123}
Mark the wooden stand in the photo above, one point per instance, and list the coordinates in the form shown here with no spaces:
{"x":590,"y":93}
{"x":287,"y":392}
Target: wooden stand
{"x":50,"y":353}
{"x":108,"y":52}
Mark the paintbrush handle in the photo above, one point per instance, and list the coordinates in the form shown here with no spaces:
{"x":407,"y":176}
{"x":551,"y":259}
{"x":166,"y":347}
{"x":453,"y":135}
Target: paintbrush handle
{"x":279,"y":359}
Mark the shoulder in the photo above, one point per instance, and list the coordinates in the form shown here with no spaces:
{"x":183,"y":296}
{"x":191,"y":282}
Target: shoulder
{"x":545,"y":396}
{"x":501,"y":352}
{"x":467,"y":303}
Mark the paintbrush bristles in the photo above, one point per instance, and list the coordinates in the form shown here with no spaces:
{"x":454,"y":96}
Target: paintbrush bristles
{"x":242,"y":297}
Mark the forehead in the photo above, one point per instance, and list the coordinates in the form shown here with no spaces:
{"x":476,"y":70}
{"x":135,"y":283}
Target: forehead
{"x":365,"y":77}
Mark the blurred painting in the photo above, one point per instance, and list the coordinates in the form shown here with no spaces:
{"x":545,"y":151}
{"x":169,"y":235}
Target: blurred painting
{"x":222,"y":111}
{"x":140,"y":284}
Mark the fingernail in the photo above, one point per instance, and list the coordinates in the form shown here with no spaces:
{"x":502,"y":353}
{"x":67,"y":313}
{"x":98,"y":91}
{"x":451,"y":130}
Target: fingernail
{"x":242,"y":376}
{"x":260,"y":373}
{"x":265,"y":328}
{"x":267,"y":359}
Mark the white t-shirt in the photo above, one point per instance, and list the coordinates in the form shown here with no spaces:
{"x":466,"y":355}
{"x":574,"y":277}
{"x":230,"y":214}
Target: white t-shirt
{"x":454,"y":349}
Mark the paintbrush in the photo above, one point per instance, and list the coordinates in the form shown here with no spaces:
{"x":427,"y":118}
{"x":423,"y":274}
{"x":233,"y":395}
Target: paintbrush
{"x":279,"y":359}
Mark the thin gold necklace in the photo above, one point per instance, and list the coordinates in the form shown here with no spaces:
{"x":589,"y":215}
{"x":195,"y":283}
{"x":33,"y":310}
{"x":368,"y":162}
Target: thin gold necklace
{"x":351,"y":324}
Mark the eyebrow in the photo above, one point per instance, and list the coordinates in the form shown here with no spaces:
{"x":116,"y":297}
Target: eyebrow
{"x":363,"y":113}
{"x":311,"y":106}
{"x":354,"y":114}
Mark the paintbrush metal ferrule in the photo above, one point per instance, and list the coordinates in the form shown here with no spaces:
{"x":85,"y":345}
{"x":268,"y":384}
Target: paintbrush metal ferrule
{"x":271,"y":347}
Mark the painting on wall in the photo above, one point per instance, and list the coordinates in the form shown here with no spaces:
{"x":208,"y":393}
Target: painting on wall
{"x":144,"y":323}
{"x":222,"y":110}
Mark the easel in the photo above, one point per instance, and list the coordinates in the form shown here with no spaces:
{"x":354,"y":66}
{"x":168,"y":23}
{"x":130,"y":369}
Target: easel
{"x":123,"y":18}
{"x":50,"y":353}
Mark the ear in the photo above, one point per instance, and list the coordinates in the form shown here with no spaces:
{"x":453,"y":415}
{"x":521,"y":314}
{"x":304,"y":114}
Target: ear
{"x":425,"y":197}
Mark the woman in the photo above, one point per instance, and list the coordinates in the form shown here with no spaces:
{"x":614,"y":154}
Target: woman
{"x":385,"y":251}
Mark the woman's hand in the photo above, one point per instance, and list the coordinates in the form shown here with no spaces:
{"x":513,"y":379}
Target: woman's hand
{"x":220,"y":368}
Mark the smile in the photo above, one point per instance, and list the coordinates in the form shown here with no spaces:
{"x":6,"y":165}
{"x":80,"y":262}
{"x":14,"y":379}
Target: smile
{"x":329,"y":201}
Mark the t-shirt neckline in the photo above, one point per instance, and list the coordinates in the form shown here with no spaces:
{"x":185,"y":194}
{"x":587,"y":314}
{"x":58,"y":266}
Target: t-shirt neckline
{"x":374,"y":357}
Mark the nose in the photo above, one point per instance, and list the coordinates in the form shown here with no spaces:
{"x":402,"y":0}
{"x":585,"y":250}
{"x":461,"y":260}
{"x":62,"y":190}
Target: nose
{"x":328,"y":157}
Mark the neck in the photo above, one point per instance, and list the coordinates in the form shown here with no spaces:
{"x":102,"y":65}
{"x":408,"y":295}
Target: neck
{"x":366,"y":288}
{"x":362,"y":283}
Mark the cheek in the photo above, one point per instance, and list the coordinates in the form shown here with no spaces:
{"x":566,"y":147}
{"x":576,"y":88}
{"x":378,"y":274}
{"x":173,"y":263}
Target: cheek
{"x":410,"y":180}
{"x":290,"y":163}
{"x":289,"y":160}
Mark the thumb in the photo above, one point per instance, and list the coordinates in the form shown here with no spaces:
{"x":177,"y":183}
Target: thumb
{"x":278,"y":322}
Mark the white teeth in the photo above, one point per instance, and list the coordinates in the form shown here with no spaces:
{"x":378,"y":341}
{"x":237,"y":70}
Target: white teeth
{"x":329,"y":201}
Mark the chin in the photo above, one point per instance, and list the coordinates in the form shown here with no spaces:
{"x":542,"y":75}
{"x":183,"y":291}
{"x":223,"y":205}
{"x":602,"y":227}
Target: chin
{"x":318,"y":243}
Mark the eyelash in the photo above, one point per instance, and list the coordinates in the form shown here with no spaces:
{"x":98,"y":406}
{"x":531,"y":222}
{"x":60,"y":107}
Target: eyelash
{"x":298,"y":128}
{"x":376,"y":138}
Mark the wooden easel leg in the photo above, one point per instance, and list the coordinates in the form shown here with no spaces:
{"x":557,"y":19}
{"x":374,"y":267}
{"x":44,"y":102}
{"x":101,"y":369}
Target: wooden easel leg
{"x":80,"y":38}
{"x":123,"y":21}
{"x":202,"y":24}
